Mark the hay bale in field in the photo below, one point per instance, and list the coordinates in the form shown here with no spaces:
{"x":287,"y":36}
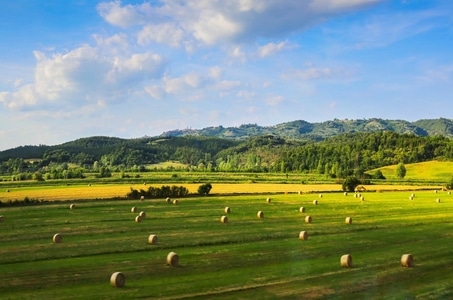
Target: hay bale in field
{"x":435,"y":191}
{"x":172,"y":259}
{"x":227,"y":210}
{"x":268,"y":200}
{"x":308,"y":219}
{"x":7,"y":191}
{"x":1,"y":219}
{"x":117,"y":279}
{"x":348,"y":220}
{"x":89,"y":184}
{"x":134,"y":209}
{"x":346,"y":261}
{"x":362,"y":198}
{"x":302,"y":209}
{"x":57,"y":238}
{"x":438,"y":200}
{"x":168,"y":200}
{"x":72,"y":206}
{"x":299,"y":192}
{"x":260,"y":214}
{"x":138,"y":219}
{"x":449,"y":193}
{"x":345,"y":193}
{"x":411,"y":198}
{"x":407,"y":260}
{"x":152,"y":239}
{"x":303,"y":235}
{"x":142,"y":214}
{"x":356,"y":195}
{"x":142,"y":198}
{"x":175,"y":202}
{"x":315,"y":202}
{"x":413,"y":195}
{"x":224,"y":219}
{"x":320,"y":196}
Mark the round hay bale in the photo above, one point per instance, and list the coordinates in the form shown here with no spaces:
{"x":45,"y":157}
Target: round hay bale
{"x":175,"y":202}
{"x":260,"y":214}
{"x":411,"y":198}
{"x":142,"y":198}
{"x":57,"y":238}
{"x":89,"y":184}
{"x":315,"y":202}
{"x":438,"y":200}
{"x":413,"y":195}
{"x":362,"y":198}
{"x":435,"y":191}
{"x":152,"y":239}
{"x":72,"y":206}
{"x":7,"y":191}
{"x":346,"y":261}
{"x":138,"y":219}
{"x":356,"y":195}
{"x":227,"y":210}
{"x":299,"y":192}
{"x":302,"y":209}
{"x":345,"y":193}
{"x":407,"y":260}
{"x":224,"y":219}
{"x":348,"y":220}
{"x":1,"y":219}
{"x":142,"y":214}
{"x":172,"y":259}
{"x":449,"y":193}
{"x":117,"y":279}
{"x":168,"y":200}
{"x":144,"y":183}
{"x":320,"y":195}
{"x":268,"y":200}
{"x":308,"y":219}
{"x":134,"y":209}
{"x":303,"y":235}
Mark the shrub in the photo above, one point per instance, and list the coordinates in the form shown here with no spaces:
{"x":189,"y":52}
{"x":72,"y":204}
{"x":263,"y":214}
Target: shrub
{"x":350,"y":183}
{"x":204,"y":189}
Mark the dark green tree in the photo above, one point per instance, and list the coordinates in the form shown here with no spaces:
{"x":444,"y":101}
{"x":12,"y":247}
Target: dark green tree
{"x":204,"y":189}
{"x":400,"y":171}
{"x":350,"y":183}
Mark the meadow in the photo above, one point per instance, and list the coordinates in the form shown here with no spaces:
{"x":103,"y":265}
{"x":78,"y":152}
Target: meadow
{"x":247,"y":257}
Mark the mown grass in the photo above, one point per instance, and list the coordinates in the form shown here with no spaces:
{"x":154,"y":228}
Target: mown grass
{"x":245,"y":258}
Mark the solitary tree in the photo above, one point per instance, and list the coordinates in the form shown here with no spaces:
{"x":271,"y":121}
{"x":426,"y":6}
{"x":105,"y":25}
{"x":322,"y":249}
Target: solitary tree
{"x":204,"y":189}
{"x":400,"y":170}
{"x":350,"y":183}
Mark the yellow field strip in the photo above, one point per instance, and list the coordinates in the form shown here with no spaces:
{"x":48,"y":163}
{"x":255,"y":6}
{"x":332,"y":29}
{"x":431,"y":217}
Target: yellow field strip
{"x":109,"y":191}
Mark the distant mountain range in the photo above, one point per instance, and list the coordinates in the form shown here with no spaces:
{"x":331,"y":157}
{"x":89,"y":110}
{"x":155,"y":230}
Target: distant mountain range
{"x":317,"y":131}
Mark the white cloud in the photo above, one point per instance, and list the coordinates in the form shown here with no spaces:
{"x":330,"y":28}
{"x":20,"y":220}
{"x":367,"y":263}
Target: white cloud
{"x":271,"y":48}
{"x":84,"y":76}
{"x":216,"y":22}
{"x":273,"y":101}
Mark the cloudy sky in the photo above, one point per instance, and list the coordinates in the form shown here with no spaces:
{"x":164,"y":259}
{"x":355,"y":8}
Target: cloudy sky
{"x":79,"y":68}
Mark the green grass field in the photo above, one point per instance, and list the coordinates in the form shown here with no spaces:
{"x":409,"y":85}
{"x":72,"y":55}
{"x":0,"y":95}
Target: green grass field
{"x":247,"y":257}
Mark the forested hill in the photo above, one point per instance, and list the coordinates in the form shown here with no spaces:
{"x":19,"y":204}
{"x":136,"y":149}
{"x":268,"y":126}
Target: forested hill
{"x":317,"y":131}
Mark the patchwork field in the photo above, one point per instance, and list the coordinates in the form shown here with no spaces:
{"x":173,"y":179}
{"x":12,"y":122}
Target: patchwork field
{"x":246,"y":257}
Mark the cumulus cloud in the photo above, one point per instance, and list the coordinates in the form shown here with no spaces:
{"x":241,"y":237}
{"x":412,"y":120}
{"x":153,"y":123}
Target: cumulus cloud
{"x":83,"y":76}
{"x":271,"y":48}
{"x":234,"y":21}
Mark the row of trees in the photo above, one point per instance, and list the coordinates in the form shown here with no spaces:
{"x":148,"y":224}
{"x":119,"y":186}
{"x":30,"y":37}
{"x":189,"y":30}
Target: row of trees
{"x":338,"y":157}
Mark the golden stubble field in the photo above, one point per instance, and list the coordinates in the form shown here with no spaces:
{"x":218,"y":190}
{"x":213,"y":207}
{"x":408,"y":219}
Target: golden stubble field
{"x":110,"y":191}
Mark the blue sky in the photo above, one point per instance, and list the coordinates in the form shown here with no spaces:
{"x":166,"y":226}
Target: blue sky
{"x":79,"y":68}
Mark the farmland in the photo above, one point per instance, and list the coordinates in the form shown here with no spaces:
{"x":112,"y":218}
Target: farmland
{"x":246,"y":257}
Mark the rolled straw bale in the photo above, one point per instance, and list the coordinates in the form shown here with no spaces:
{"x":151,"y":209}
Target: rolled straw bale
{"x":315,"y":202}
{"x":302,"y":209}
{"x":117,"y":279}
{"x":438,"y":200}
{"x":320,"y":195}
{"x":72,"y":206}
{"x":413,"y":195}
{"x":260,"y":214}
{"x":172,"y":259}
{"x":134,"y":209}
{"x":345,"y":193}
{"x":449,"y":193}
{"x":7,"y":191}
{"x":175,"y":202}
{"x":308,"y":219}
{"x":268,"y":200}
{"x":362,"y":198}
{"x":407,"y":260}
{"x":356,"y":195}
{"x":168,"y":200}
{"x":57,"y":238}
{"x":411,"y":198}
{"x":227,"y":210}
{"x":138,"y":219}
{"x":1,"y":219}
{"x":152,"y":239}
{"x":435,"y":191}
{"x":303,"y":235}
{"x":348,"y":220}
{"x":142,"y":198}
{"x":346,"y":261}
{"x":224,"y":219}
{"x":142,"y":214}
